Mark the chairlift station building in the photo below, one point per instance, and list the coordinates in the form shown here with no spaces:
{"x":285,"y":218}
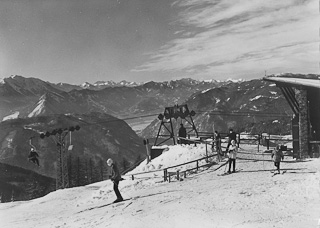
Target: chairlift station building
{"x":302,"y":92}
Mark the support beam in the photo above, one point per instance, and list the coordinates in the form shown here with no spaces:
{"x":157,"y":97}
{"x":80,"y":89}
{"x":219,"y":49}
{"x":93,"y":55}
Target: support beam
{"x":301,"y":96}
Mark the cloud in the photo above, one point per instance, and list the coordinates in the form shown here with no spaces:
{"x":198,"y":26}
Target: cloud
{"x":240,"y":37}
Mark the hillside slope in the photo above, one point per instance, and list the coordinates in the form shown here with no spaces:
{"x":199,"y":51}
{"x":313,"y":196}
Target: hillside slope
{"x":252,"y":106}
{"x":250,"y":198}
{"x":101,"y":136}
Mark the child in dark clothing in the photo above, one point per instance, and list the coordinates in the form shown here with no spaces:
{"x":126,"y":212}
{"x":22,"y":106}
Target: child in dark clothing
{"x":115,"y":178}
{"x":277,"y":155}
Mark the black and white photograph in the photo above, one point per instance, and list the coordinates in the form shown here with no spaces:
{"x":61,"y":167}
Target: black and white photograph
{"x":159,"y":113}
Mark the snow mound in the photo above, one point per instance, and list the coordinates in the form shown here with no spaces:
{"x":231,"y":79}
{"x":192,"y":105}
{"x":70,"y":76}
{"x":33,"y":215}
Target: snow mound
{"x":172,"y":156}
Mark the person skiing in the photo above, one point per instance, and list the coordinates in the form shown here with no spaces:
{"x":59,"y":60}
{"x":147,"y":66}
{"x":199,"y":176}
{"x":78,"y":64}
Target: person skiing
{"x":232,"y":156}
{"x":276,"y":156}
{"x":115,"y":178}
{"x":182,"y":134}
{"x":33,"y":155}
{"x":231,"y":136}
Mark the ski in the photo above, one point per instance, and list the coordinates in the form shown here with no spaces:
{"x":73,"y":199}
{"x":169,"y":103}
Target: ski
{"x":113,"y":204}
{"x":275,"y":173}
{"x":227,"y":173}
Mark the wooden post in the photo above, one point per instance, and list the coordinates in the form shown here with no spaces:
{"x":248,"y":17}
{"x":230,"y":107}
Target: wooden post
{"x":165,"y":174}
{"x":146,"y":143}
{"x":132,"y":177}
{"x":178,"y":178}
{"x":197,"y":165}
{"x":206,"y":152}
{"x":185,"y":174}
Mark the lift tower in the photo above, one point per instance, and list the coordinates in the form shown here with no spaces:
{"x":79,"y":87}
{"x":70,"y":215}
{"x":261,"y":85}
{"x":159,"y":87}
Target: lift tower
{"x":62,"y":177}
{"x":166,"y":130}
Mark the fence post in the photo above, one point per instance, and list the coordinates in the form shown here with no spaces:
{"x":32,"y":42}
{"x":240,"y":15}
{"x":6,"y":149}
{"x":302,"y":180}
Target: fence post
{"x":178,"y":178}
{"x":206,"y":152}
{"x":165,"y":174}
{"x":132,"y":177}
{"x":185,"y":174}
{"x":197,"y":165}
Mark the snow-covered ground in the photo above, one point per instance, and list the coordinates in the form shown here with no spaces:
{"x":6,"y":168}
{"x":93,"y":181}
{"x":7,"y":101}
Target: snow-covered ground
{"x":249,"y":198}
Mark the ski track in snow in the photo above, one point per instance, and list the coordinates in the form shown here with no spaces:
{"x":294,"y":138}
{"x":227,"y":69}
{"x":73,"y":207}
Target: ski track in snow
{"x":249,"y":198}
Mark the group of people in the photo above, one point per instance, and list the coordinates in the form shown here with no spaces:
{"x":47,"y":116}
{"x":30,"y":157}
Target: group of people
{"x":231,"y":152}
{"x":232,"y":149}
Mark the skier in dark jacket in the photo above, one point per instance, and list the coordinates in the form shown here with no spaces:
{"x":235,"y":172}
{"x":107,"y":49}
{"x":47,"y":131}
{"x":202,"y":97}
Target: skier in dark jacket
{"x":115,"y":178}
{"x":231,"y":136}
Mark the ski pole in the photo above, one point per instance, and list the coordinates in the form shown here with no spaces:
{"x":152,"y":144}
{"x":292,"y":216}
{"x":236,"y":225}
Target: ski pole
{"x":225,"y":168}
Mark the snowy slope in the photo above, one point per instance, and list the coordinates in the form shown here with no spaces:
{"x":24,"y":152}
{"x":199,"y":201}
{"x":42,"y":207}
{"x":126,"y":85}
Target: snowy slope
{"x":15,"y":115}
{"x":250,"y":198}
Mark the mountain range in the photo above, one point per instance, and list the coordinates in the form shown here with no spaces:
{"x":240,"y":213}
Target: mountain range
{"x":27,"y":97}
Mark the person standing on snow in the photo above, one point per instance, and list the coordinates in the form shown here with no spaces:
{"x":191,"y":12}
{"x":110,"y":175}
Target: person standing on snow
{"x":231,"y":136}
{"x":276,"y":156}
{"x":182,"y":134}
{"x":217,"y":141}
{"x":232,"y":156}
{"x":115,"y":178}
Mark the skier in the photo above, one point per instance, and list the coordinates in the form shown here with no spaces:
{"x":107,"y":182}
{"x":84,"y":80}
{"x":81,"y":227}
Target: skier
{"x":231,"y":136}
{"x":277,"y":155}
{"x":182,"y":134}
{"x":33,"y":155}
{"x":115,"y":178}
{"x":232,"y":156}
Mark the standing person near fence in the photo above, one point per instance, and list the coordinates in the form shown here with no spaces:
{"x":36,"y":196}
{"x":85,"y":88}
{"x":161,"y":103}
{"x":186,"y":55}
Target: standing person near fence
{"x":115,"y":178}
{"x":231,"y":136}
{"x":182,"y":134}
{"x":217,"y":141}
{"x":276,"y":156}
{"x":232,"y":156}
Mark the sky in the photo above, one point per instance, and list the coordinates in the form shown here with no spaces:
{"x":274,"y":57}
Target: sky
{"x":76,"y":41}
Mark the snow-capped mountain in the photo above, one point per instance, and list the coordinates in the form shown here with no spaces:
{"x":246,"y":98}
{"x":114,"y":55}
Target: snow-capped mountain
{"x":99,"y":85}
{"x":26,"y":96}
